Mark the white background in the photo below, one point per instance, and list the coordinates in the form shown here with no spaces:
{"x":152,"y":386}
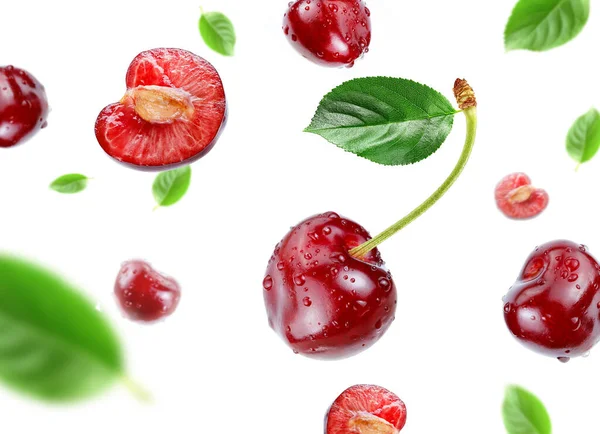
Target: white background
{"x":215,"y":366}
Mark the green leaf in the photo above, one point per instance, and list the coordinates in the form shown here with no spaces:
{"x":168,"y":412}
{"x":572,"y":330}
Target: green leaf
{"x":583,"y":139}
{"x":71,"y":183}
{"x":54,"y":345}
{"x":218,"y":32}
{"x":169,"y":187}
{"x":524,"y":413}
{"x":540,"y":25}
{"x":390,"y":121}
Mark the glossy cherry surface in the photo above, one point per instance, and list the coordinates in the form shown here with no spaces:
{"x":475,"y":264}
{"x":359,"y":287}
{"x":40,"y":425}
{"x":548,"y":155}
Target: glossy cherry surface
{"x":23,"y":106}
{"x":323,"y":302}
{"x":144,"y":294}
{"x":329,"y":32}
{"x":554,"y":306}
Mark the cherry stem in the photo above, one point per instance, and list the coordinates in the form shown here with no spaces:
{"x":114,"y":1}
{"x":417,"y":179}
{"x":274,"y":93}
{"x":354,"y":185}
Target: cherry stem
{"x":470,"y":112}
{"x":137,"y":390}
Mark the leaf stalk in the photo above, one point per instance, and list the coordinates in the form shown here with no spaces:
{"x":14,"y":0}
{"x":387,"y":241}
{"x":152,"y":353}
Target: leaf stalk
{"x":138,"y":391}
{"x":466,"y":100}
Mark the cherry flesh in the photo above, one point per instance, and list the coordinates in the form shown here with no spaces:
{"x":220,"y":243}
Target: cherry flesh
{"x":144,"y":294}
{"x":329,"y":32}
{"x":554,"y":306}
{"x":323,"y":302}
{"x":366,"y":409}
{"x":171,"y":114}
{"x":23,"y":106}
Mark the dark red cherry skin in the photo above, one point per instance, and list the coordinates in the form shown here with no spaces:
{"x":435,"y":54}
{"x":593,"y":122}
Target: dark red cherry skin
{"x":144,"y":294}
{"x":554,"y":306}
{"x":329,"y":32}
{"x":23,"y":106}
{"x":321,"y":301}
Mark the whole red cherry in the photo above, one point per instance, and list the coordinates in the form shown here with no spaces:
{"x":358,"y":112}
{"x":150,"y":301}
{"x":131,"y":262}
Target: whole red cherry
{"x":23,"y":106}
{"x":554,"y":307}
{"x":322,"y":301}
{"x":145,"y":294}
{"x":329,"y":32}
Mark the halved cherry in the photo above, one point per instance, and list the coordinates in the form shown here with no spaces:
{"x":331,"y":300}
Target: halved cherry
{"x":366,"y":409}
{"x":518,"y":199}
{"x":172,"y":112}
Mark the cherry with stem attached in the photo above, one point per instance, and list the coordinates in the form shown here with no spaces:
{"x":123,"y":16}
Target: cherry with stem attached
{"x":326,"y":289}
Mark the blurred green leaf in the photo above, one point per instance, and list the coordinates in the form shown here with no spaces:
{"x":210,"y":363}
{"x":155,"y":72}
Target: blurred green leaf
{"x":169,"y":187}
{"x":524,"y":413}
{"x":218,"y":32}
{"x":54,"y":344}
{"x":583,"y":139}
{"x":540,"y":25}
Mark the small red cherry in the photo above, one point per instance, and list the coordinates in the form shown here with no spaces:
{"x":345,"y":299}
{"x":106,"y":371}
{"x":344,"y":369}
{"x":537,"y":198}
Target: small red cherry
{"x":323,"y":302}
{"x":329,"y":32}
{"x":366,"y":409}
{"x":23,"y":106}
{"x":518,"y":199}
{"x":144,"y":294}
{"x":172,"y":113}
{"x":554,"y":306}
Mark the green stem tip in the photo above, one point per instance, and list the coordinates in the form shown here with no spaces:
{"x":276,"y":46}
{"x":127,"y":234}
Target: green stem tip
{"x":137,"y":390}
{"x":465,"y":98}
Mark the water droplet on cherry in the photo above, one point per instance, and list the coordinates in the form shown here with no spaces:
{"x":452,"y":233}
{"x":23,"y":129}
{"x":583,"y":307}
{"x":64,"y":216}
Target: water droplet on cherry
{"x":384,"y":283}
{"x":572,"y":264}
{"x":572,"y":277}
{"x":299,"y":279}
